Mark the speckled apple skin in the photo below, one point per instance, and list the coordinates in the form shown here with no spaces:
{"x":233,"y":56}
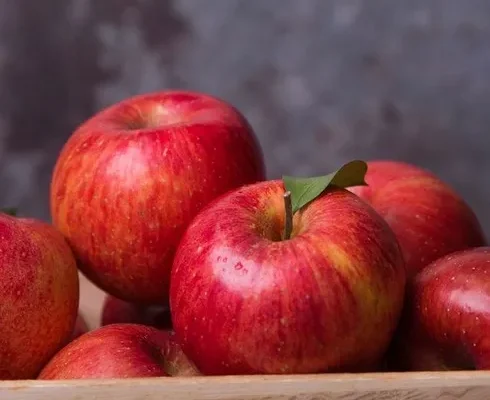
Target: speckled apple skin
{"x":243,"y":301}
{"x":446,"y":322}
{"x":39,"y":295}
{"x":130,"y":179}
{"x":429,"y":218}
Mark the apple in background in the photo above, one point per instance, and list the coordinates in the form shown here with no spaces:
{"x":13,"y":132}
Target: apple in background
{"x":39,"y":293}
{"x":81,"y":327}
{"x":446,"y":321}
{"x":120,"y":351}
{"x":245,"y":301}
{"x":428,"y":217}
{"x":130,"y":179}
{"x":116,"y":311}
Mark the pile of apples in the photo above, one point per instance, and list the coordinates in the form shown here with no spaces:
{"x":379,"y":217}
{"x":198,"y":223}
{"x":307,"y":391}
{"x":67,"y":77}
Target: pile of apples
{"x":211,"y":268}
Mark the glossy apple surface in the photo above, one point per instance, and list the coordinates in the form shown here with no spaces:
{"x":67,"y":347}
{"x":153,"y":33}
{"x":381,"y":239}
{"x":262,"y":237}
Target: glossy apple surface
{"x":446,"y":324}
{"x":244,"y":301}
{"x":119,"y":351}
{"x":39,"y":294}
{"x":428,"y":217}
{"x":129,"y":180}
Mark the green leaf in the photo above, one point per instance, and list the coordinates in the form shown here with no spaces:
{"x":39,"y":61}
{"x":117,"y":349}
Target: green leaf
{"x":305,"y":190}
{"x":9,"y":211}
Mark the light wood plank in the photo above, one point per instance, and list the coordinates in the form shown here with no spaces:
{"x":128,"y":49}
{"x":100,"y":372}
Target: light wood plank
{"x":401,"y":386}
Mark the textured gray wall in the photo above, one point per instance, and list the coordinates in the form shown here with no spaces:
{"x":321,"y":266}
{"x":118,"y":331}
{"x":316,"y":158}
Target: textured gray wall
{"x":321,"y":81}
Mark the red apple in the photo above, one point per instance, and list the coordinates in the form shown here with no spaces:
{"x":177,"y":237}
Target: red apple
{"x":116,"y":311}
{"x":428,"y":217}
{"x":244,"y":301}
{"x":129,"y":180}
{"x":446,"y":322}
{"x":81,"y":327}
{"x":39,"y":293}
{"x":120,"y":351}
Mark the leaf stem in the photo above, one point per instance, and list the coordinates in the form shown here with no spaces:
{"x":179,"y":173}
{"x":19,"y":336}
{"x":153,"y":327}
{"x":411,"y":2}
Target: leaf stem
{"x":288,"y":224}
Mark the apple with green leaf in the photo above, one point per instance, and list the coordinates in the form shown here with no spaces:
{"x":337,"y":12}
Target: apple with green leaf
{"x":130,"y":179}
{"x":428,"y":217}
{"x":292,"y":276}
{"x":446,"y":321}
{"x":39,"y":294}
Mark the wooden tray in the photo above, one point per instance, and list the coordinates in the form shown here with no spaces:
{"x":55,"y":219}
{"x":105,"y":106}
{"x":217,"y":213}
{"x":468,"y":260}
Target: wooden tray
{"x":474,"y":385}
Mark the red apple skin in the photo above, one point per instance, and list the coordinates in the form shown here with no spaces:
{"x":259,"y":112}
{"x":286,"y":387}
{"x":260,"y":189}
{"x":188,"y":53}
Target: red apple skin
{"x":119,"y":351}
{"x":39,"y":293}
{"x":428,"y":217}
{"x":130,"y":179}
{"x":245,"y":302}
{"x":117,"y":311}
{"x":446,"y":321}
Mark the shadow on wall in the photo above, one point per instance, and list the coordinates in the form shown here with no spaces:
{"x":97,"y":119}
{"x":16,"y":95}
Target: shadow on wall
{"x":51,"y":75}
{"x":322,"y":82}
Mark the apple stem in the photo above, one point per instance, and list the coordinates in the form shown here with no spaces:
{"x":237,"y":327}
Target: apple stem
{"x":288,"y":224}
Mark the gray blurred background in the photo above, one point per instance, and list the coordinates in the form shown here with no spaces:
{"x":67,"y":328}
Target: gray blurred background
{"x":322,"y":82}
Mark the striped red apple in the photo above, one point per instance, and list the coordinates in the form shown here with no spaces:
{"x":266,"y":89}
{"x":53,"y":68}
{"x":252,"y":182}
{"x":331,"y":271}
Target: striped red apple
{"x":130,"y":179}
{"x":120,"y":351}
{"x":446,"y":321}
{"x":255,"y":290}
{"x":430,"y":219}
{"x":39,"y":292}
